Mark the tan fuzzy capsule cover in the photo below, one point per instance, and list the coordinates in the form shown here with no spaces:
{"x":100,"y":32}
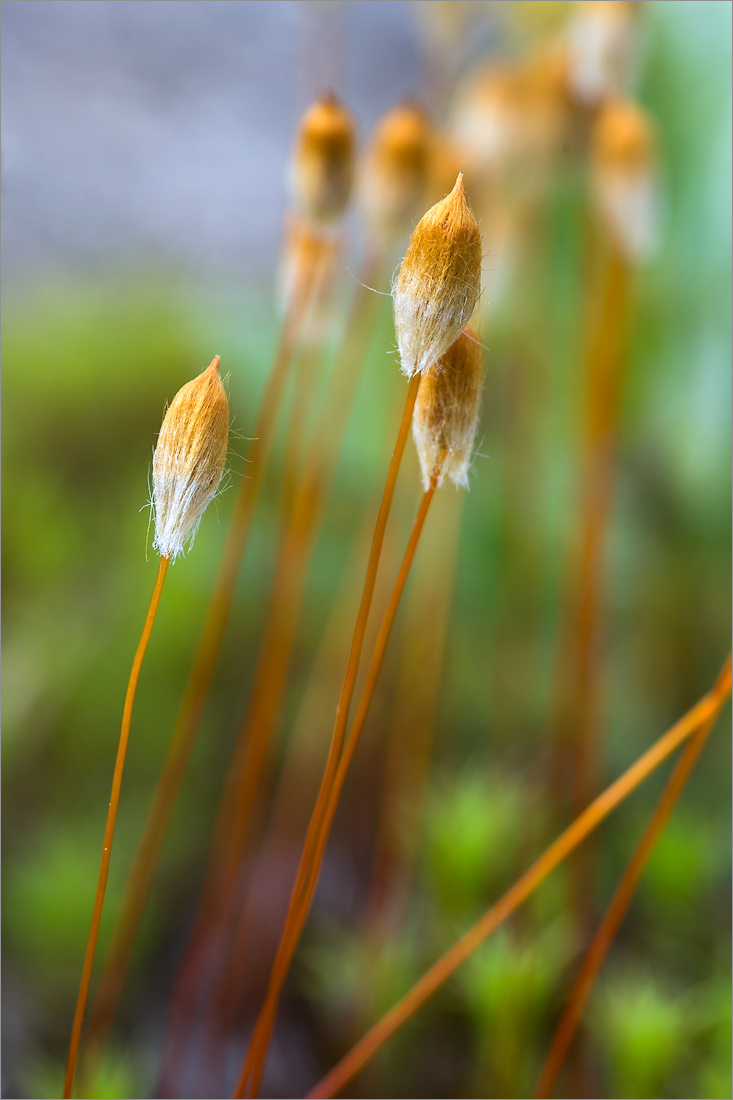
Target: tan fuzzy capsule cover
{"x":439,"y":283}
{"x":189,"y":459}
{"x":446,"y":414}
{"x":322,"y":167}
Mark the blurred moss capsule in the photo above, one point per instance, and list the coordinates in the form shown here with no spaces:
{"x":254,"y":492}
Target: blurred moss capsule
{"x":396,"y":170}
{"x":189,"y":459}
{"x":601,"y":40}
{"x":439,"y":283}
{"x":323,"y":163}
{"x":446,"y":414}
{"x":625,"y":177}
{"x":486,"y":116}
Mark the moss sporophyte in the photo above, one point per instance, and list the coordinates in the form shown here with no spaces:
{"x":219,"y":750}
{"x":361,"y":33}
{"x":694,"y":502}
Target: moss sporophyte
{"x":187,"y":468}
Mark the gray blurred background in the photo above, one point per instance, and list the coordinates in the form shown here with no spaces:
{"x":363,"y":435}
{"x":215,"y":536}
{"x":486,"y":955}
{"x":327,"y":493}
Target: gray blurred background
{"x":163,"y":127}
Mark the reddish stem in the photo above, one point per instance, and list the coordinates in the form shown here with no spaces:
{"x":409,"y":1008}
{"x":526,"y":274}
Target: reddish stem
{"x":708,"y":708}
{"x":622,"y":899}
{"x":282,"y":960}
{"x":109,"y":829}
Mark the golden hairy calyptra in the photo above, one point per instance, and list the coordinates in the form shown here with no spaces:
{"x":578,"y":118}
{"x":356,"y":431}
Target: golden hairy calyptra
{"x":439,"y":283}
{"x":189,"y":459}
{"x":323,"y":162}
{"x":446,"y":414}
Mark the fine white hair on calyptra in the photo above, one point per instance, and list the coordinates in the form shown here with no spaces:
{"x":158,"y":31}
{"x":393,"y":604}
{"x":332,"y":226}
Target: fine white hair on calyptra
{"x":446,"y":415}
{"x":189,"y":460}
{"x":439,"y":282}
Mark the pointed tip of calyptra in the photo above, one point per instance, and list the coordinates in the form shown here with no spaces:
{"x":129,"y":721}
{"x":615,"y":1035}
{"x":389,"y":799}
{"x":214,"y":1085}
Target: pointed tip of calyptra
{"x":214,"y":364}
{"x":456,"y":199}
{"x":439,"y":282}
{"x":455,"y":202}
{"x":328,"y":108}
{"x":411,"y":102}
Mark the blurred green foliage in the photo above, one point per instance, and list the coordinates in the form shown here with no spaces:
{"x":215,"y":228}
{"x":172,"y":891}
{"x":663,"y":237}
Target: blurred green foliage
{"x":643,"y":1028}
{"x":472,"y":838}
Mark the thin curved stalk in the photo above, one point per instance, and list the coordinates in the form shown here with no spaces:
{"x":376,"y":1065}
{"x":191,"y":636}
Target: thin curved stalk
{"x":342,"y":714}
{"x":292,"y":804}
{"x":578,"y":735}
{"x":359,"y":1055}
{"x":410,"y":737}
{"x":109,"y":829}
{"x":352,"y":744}
{"x":616,"y":911}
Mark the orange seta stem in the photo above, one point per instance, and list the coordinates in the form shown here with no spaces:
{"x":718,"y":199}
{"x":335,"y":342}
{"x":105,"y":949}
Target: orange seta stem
{"x":295,"y":444}
{"x":296,"y":788}
{"x":352,"y":742}
{"x":345,"y":762}
{"x":705,"y":710}
{"x":410,"y":737}
{"x":339,"y":729}
{"x":199,"y":680}
{"x":109,"y":829}
{"x":579,"y":720}
{"x":616,"y":911}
